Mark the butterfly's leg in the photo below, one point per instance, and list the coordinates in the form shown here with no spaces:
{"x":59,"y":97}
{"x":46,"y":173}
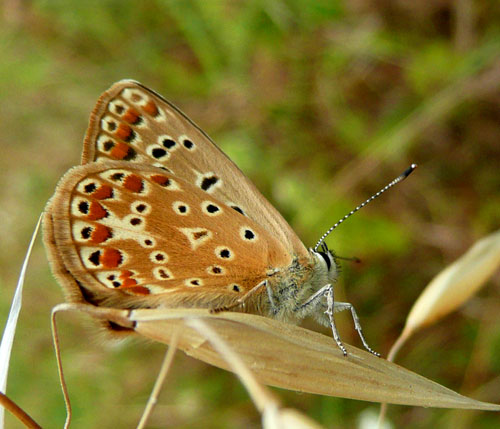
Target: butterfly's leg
{"x":240,"y":301}
{"x":313,"y":303}
{"x":316,"y":301}
{"x":330,"y":302}
{"x":341,"y":306}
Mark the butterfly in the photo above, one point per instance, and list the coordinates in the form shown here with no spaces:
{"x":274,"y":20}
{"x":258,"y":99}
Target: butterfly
{"x":157,"y":216}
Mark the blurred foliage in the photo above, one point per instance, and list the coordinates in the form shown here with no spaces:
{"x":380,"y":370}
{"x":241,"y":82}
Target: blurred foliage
{"x":321,"y":103}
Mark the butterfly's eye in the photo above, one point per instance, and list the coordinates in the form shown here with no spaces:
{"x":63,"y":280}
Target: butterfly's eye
{"x":328,"y":259}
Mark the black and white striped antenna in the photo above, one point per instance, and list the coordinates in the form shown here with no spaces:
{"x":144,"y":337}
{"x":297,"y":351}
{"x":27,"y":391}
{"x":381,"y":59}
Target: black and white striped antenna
{"x":398,"y":179}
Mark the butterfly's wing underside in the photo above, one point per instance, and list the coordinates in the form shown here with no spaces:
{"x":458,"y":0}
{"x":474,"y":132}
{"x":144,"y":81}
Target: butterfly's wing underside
{"x":158,"y":215}
{"x":131,"y":122}
{"x":139,"y":231}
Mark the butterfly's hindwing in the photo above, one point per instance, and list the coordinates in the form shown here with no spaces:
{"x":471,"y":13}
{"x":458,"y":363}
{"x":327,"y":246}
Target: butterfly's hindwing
{"x":140,"y":230}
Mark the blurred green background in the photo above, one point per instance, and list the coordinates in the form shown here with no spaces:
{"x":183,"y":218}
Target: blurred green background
{"x":321,"y":103}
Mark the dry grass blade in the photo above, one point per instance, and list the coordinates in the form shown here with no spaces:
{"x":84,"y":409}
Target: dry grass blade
{"x":7,"y":340}
{"x":17,"y":411}
{"x":454,"y":285}
{"x":450,"y":289}
{"x":294,"y":358}
{"x":160,"y":380}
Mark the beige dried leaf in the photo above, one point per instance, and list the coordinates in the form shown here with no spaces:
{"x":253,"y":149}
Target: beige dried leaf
{"x":455,"y":284}
{"x":288,"y":356}
{"x":294,"y":358}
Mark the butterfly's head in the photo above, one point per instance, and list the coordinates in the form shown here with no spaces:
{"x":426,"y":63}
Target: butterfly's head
{"x":326,"y":264}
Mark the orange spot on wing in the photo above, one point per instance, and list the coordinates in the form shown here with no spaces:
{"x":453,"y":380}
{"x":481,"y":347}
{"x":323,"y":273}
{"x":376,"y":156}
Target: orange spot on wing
{"x":120,"y":150}
{"x":103,"y":192}
{"x":139,"y":290}
{"x":131,"y":116}
{"x":126,"y":279}
{"x":125,"y":274}
{"x":160,"y":179}
{"x":100,"y":233}
{"x":133,"y":183}
{"x":151,"y":108}
{"x":128,"y":283}
{"x":124,"y":132}
{"x":96,"y":211}
{"x":110,"y":258}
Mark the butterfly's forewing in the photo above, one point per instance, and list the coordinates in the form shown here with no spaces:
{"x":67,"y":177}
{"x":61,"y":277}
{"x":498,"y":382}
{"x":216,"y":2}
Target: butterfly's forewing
{"x":128,"y":231}
{"x":133,"y":123}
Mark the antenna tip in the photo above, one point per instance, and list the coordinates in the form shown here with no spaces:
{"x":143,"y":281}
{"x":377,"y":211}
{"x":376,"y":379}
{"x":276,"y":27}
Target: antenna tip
{"x":408,"y":171}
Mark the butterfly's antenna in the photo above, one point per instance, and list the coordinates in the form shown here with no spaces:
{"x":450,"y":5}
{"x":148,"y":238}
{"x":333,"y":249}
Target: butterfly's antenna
{"x":398,"y":179}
